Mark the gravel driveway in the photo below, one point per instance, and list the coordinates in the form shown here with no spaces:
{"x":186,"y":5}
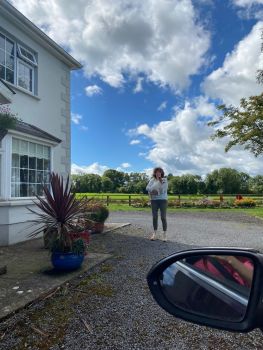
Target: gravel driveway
{"x":110,"y":307}
{"x":226,"y":229}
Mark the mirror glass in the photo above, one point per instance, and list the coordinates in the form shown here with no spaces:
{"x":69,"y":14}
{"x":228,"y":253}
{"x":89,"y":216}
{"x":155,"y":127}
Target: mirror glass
{"x":215,"y":286}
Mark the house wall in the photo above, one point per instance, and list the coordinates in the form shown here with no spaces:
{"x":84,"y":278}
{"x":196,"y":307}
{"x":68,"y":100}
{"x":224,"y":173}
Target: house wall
{"x":50,"y":111}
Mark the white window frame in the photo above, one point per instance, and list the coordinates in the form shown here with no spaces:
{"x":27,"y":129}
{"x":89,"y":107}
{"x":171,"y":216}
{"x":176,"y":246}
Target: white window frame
{"x":6,"y":152}
{"x":18,"y":55}
{"x":25,"y":58}
{"x":17,"y":75}
{"x":15,"y":57}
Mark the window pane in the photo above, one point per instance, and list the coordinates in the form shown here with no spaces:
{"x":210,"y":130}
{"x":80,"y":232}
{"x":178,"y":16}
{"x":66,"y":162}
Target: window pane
{"x":23,"y":190}
{"x":2,"y":57}
{"x":10,"y":76}
{"x":2,"y":42}
{"x":46,"y":177}
{"x":40,"y":190}
{"x":40,"y":177}
{"x":15,"y":160}
{"x":15,"y":175}
{"x":10,"y":63}
{"x":39,"y":151}
{"x":46,"y":164}
{"x":15,"y":190}
{"x":32,"y":190}
{"x":32,"y":162}
{"x":2,"y":72}
{"x":15,"y":146}
{"x":23,"y":147}
{"x":40,"y":165}
{"x":23,"y":161}
{"x":32,"y":176}
{"x":25,"y":76}
{"x":32,"y":149}
{"x":10,"y":47}
{"x":23,"y":175}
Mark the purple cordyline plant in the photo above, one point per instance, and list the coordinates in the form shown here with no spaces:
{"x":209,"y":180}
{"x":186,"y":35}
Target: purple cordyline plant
{"x":60,"y":213}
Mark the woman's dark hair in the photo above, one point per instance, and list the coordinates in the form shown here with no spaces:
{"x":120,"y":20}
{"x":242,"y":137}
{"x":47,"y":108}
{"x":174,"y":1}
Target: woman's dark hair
{"x":158,"y":169}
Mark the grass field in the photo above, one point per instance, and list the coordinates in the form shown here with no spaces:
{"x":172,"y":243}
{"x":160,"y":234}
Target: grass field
{"x":124,"y":206}
{"x":256,"y":212}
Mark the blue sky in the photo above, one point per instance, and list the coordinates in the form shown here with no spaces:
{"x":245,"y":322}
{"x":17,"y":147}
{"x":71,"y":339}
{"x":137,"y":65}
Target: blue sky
{"x":153,"y":73}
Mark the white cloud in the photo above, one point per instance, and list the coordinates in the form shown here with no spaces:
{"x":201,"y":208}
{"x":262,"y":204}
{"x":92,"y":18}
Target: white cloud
{"x":135,"y":142}
{"x":182,"y":145}
{"x":162,"y":106}
{"x":134,"y":37}
{"x":245,"y":3}
{"x":93,"y":90}
{"x":237,"y":77}
{"x":126,"y":165}
{"x":138,"y":87}
{"x":94,"y":168}
{"x":76,"y":118}
{"x":84,"y":128}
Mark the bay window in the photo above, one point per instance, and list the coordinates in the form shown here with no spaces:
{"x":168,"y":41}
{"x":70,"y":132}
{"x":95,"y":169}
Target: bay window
{"x":30,"y":167}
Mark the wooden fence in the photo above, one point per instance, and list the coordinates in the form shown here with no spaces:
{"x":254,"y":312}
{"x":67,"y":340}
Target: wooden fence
{"x":132,"y":198}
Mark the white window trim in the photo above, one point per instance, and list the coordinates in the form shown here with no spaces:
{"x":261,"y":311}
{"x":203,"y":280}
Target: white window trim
{"x":33,"y":65}
{"x":20,"y":54}
{"x":7,"y":162}
{"x":33,"y":75}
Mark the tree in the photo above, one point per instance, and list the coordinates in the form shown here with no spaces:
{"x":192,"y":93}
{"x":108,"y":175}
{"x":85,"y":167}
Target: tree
{"x":224,"y":180}
{"x":256,"y":184}
{"x":244,"y":125}
{"x":106,"y":184}
{"x":118,"y":178}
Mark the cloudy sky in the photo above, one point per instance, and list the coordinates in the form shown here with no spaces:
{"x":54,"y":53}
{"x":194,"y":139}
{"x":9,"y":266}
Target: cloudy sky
{"x":153,"y":74}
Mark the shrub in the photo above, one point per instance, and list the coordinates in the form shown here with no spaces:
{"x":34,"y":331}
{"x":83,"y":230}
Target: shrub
{"x":96,"y":211}
{"x":245,"y":203}
{"x":141,"y":203}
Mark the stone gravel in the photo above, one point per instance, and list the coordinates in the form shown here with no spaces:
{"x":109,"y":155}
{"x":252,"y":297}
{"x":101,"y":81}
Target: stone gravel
{"x":110,"y":306}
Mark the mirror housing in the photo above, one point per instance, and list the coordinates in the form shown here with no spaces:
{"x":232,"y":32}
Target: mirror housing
{"x":253,"y":316}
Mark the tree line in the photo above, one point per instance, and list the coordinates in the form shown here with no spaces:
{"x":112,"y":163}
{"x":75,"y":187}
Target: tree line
{"x":224,"y":180}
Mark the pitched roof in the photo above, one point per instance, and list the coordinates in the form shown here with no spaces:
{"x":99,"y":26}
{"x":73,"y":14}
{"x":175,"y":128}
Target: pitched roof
{"x":31,"y":130}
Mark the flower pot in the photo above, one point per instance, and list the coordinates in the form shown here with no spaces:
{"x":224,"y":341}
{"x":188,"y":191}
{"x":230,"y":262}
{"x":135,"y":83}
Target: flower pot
{"x":98,"y":227}
{"x":84,"y":235}
{"x":66,"y":261}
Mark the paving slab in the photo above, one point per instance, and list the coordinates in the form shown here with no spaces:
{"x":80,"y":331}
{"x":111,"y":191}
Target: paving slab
{"x":30,"y":275}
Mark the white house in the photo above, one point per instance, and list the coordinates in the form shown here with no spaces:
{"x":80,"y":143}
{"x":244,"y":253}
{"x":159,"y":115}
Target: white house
{"x":35,"y":85}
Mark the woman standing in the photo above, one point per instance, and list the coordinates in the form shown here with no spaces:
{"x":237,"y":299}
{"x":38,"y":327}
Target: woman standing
{"x":157,"y":189}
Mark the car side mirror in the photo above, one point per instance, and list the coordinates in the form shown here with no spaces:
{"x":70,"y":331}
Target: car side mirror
{"x":216,"y":287}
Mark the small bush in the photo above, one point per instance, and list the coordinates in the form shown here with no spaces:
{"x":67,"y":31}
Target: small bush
{"x":245,"y":203}
{"x":141,"y":203}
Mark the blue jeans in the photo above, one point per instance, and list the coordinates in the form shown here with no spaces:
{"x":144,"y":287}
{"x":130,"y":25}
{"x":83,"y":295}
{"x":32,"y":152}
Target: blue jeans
{"x":156,"y":205}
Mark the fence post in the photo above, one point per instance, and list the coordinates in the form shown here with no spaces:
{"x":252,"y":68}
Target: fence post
{"x":108,"y":200}
{"x":129,"y":200}
{"x":179,"y":198}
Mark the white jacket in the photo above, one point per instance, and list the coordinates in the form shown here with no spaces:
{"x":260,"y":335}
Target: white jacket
{"x":160,"y":187}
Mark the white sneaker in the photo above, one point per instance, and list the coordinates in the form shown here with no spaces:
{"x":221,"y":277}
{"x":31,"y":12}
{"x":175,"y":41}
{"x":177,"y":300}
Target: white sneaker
{"x":164,"y":237}
{"x":153,"y":237}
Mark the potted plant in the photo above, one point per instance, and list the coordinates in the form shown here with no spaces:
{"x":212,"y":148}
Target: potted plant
{"x":60,"y":217}
{"x":7,"y":119}
{"x":97,"y":213}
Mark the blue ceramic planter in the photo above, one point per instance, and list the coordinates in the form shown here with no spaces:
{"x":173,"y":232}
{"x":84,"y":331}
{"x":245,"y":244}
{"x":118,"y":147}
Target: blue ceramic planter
{"x":66,"y":261}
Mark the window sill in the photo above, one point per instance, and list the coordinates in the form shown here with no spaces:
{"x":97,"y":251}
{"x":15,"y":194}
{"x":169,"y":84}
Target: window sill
{"x":16,"y":202}
{"x":23,"y":90}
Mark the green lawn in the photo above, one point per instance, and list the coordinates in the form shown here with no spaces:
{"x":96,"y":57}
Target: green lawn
{"x":122,"y":206}
{"x":257,"y":212}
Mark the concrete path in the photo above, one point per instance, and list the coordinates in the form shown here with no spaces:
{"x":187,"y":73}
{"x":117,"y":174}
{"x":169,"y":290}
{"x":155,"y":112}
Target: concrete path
{"x":30,"y":275}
